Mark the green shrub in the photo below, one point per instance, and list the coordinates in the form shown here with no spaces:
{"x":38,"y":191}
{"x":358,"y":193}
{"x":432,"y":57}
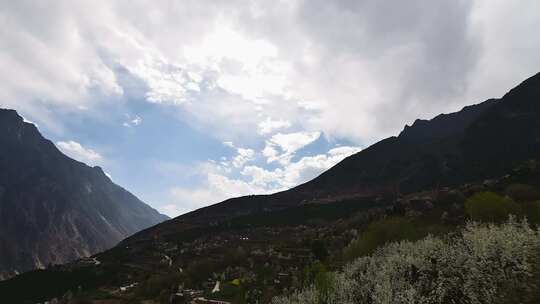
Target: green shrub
{"x":312,"y":271}
{"x":379,"y":233}
{"x":325,"y":284}
{"x":523,"y":193}
{"x":490,"y":207}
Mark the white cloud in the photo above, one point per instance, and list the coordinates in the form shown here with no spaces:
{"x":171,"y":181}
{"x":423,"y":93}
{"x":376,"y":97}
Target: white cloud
{"x":51,"y":56}
{"x":228,"y":144}
{"x":339,"y":67}
{"x":244,"y":156}
{"x":288,"y":144}
{"x":215,"y":188}
{"x":76,"y":151}
{"x":132,"y":121}
{"x":219,"y":185}
{"x":291,"y":142}
{"x":270,"y":153}
{"x":342,"y":152}
{"x":268,"y":126}
{"x":167,"y":82}
{"x":171,"y":210}
{"x":295,"y":173}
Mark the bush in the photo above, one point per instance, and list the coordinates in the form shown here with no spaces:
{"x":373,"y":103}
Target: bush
{"x":312,"y":271}
{"x":523,"y":193}
{"x":318,"y":276}
{"x":484,"y":264}
{"x":490,"y":207}
{"x":379,"y":233}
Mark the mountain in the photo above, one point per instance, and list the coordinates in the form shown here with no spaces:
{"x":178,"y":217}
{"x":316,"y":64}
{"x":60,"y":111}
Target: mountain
{"x":54,"y":209}
{"x":478,"y":142}
{"x":262,"y":245}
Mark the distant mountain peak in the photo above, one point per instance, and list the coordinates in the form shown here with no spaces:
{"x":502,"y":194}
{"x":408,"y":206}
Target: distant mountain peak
{"x":444,"y":125}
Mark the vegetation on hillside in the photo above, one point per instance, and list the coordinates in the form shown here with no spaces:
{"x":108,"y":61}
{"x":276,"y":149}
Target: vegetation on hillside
{"x":484,"y":263}
{"x":392,"y":229}
{"x":490,"y":207}
{"x":493,"y":258}
{"x":394,"y":248}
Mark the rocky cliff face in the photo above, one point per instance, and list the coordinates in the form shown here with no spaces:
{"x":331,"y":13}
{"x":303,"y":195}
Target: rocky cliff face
{"x":54,"y":209}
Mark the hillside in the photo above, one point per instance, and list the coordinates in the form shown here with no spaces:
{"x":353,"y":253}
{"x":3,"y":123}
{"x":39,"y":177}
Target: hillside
{"x":54,"y":209}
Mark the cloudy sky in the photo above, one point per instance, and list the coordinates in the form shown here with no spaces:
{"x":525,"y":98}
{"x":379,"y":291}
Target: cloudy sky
{"x":188,"y":102}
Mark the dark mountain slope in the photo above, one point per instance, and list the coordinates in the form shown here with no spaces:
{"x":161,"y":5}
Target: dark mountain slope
{"x":54,"y":209}
{"x":479,"y":141}
{"x":508,"y":132}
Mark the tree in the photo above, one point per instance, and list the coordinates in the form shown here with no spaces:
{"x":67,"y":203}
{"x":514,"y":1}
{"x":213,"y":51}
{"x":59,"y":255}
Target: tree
{"x":490,"y":207}
{"x":379,"y":233}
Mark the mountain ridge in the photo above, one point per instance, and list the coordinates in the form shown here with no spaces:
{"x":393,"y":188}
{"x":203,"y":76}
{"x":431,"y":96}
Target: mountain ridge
{"x":425,"y":160}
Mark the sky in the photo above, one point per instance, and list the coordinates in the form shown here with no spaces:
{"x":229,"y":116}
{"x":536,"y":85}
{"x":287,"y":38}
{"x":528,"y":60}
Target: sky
{"x":186,"y":103}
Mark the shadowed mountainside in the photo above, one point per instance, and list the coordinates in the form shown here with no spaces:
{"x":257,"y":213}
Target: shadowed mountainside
{"x":54,"y":209}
